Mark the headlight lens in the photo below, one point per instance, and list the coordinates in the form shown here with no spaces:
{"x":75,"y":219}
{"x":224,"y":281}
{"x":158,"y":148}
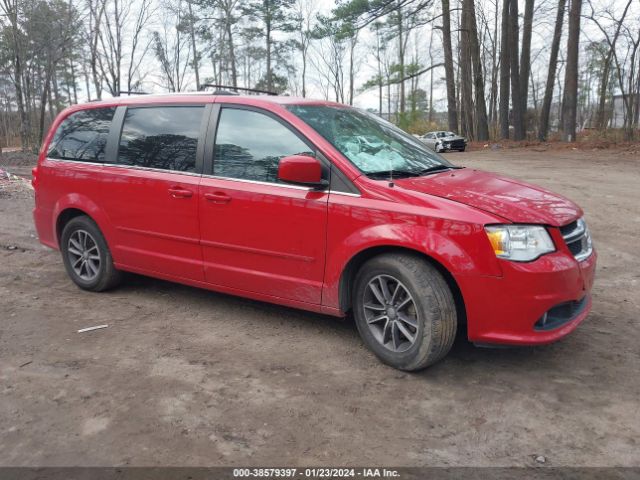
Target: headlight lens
{"x":520,"y":243}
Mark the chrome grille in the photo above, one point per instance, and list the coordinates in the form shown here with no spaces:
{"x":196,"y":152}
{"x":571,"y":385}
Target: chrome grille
{"x":578,"y":239}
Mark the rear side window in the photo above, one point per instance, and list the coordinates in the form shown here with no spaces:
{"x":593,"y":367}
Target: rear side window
{"x":249,"y":145}
{"x":82,"y":136}
{"x":161,"y":137}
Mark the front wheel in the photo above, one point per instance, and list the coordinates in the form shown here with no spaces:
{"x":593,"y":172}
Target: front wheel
{"x":404,"y":311}
{"x":86,"y":255}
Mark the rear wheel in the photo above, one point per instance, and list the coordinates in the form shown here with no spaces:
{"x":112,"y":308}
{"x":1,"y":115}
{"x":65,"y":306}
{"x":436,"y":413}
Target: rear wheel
{"x":86,"y":256}
{"x":404,"y":311}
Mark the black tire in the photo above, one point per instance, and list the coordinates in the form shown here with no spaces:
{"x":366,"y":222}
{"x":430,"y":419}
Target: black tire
{"x":105,"y":275}
{"x":463,"y":149}
{"x":433,"y":302}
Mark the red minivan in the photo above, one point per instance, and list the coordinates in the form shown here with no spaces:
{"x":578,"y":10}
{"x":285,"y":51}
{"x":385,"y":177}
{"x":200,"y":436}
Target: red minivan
{"x":313,"y":205}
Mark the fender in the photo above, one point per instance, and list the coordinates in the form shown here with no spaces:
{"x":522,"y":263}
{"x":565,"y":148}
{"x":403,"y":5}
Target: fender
{"x":454,"y":245}
{"x":83,"y":203}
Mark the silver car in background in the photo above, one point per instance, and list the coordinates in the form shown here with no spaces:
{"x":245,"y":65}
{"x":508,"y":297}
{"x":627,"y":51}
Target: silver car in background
{"x":442,"y":141}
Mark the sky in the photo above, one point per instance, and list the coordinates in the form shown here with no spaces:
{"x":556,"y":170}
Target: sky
{"x":418,"y":46}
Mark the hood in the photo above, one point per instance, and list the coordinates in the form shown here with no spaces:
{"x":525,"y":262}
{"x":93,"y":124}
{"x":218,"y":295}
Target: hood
{"x":516,"y":201}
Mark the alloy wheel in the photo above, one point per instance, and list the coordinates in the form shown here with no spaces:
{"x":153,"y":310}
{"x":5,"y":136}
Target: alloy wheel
{"x":390,"y":313}
{"x":84,"y":255}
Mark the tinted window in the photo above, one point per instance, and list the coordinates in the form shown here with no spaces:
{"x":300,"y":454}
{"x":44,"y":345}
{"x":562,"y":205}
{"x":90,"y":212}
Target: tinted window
{"x":82,"y":136}
{"x":249,"y":145}
{"x":161,"y":137}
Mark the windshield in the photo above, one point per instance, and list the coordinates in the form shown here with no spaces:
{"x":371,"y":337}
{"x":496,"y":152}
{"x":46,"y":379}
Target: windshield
{"x":372,"y":144}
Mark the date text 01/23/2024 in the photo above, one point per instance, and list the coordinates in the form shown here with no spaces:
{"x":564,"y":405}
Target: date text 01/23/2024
{"x":315,"y":473}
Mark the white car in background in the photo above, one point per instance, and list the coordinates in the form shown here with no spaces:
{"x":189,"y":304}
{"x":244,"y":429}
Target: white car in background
{"x":443,"y":141}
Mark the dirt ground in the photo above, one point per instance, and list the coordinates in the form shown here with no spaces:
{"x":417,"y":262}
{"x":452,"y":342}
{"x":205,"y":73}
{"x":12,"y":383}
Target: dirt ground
{"x":189,"y":377}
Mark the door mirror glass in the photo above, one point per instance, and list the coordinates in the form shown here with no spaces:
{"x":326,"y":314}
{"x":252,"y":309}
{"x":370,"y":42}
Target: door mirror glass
{"x":301,"y":170}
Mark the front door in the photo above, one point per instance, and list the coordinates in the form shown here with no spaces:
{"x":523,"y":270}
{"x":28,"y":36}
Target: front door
{"x":258,"y":234}
{"x":152,"y":190}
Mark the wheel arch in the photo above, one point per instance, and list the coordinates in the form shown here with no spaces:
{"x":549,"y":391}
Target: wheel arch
{"x":64,"y":217}
{"x":75,"y":205}
{"x":352,"y":267}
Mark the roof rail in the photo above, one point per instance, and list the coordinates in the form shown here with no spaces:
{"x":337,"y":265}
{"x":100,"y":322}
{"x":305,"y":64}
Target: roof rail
{"x":225,"y":89}
{"x":127,"y":92}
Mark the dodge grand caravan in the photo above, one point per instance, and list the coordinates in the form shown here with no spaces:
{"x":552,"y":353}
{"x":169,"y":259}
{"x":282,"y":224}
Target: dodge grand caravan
{"x":313,"y":205}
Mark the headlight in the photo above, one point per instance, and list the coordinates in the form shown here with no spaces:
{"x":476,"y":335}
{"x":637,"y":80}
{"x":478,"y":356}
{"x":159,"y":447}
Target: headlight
{"x":520,"y":243}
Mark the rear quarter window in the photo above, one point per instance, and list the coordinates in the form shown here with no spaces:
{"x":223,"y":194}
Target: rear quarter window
{"x":82,"y":136}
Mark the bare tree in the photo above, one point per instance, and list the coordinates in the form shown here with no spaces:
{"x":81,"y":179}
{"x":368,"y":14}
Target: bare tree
{"x":481,"y":124}
{"x":516,"y":93}
{"x":543,"y":127}
{"x":452,"y":110}
{"x":525,"y":58}
{"x":173,"y":49}
{"x":505,"y":71}
{"x":10,"y":8}
{"x":570,"y":99}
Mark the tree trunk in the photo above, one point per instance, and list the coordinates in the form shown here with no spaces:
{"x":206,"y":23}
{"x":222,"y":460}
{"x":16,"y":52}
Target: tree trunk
{"x":543,"y":127}
{"x":466,"y":76}
{"x":452,"y":110}
{"x":192,"y":31}
{"x":401,"y":46}
{"x":570,"y":98}
{"x":268,"y":40}
{"x":525,"y":59}
{"x":352,"y":47}
{"x":504,"y":71}
{"x":493,"y":107}
{"x":431,"y":77}
{"x":516,"y":100}
{"x":43,"y":99}
{"x":601,"y":117}
{"x":232,"y":54}
{"x":304,"y":69}
{"x":481,"y":126}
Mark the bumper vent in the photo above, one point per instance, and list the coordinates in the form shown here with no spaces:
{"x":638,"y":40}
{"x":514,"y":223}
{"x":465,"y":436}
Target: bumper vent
{"x":578,"y":239}
{"x":561,"y":315}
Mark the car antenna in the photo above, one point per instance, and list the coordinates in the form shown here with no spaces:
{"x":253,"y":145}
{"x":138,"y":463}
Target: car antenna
{"x":391,"y":184}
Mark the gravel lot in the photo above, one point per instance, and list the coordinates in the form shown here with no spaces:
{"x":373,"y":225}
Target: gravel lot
{"x":188,"y":377}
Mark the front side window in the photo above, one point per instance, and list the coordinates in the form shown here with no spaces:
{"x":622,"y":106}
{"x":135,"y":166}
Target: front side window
{"x":249,"y":145}
{"x":82,"y":136}
{"x":375,"y":146}
{"x":161,"y":137}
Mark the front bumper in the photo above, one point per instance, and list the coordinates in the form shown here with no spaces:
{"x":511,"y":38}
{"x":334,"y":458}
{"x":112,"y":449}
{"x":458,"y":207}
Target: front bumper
{"x":510,"y":310}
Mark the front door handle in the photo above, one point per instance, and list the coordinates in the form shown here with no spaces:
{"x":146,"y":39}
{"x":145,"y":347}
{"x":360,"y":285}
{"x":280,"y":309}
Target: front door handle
{"x":217,"y":197}
{"x":177,"y":192}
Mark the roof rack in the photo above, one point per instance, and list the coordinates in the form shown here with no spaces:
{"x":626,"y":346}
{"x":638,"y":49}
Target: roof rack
{"x":227,"y":89}
{"x":127,"y":92}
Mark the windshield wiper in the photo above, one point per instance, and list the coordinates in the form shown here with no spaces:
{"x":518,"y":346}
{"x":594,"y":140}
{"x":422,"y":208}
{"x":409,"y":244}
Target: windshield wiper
{"x":436,"y":168}
{"x":385,"y":174}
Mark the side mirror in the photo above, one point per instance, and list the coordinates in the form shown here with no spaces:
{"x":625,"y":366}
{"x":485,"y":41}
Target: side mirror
{"x":301,"y":170}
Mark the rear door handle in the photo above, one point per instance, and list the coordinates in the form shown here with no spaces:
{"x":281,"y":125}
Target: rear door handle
{"x":177,"y":192}
{"x":217,"y":197}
